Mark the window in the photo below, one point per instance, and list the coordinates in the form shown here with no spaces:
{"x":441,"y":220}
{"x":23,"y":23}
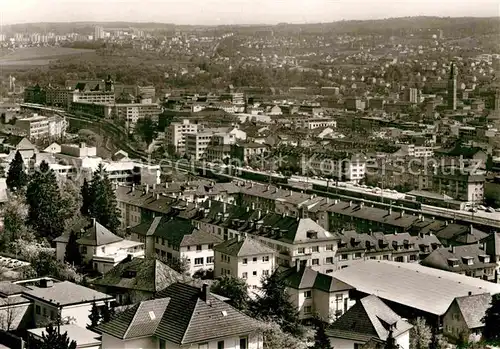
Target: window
{"x":198,"y":247}
{"x":413,"y":257}
{"x":243,"y":343}
{"x":265,"y":259}
{"x":343,"y":257}
{"x":307,"y":294}
{"x":210,"y":260}
{"x":315,"y":261}
{"x":198,"y":261}
{"x":265,"y":272}
{"x":220,"y":345}
{"x":244,"y":275}
{"x":203,"y":346}
{"x":254,"y":273}
{"x":245,"y":261}
{"x":385,"y":257}
{"x":37,"y":309}
{"x":157,"y":239}
{"x":315,"y":249}
{"x":163,"y":344}
{"x":163,"y":241}
{"x":189,"y":248}
{"x":52,"y":315}
{"x":399,"y":259}
{"x":307,"y":309}
{"x":357,"y":255}
{"x":329,"y":260}
{"x":254,"y":259}
{"x":301,"y":250}
{"x":329,"y":247}
{"x":211,"y":247}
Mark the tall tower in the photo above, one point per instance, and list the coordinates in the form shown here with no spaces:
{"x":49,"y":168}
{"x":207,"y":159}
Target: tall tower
{"x":452,"y":88}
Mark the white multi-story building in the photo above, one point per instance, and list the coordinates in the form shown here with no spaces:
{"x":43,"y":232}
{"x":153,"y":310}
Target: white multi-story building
{"x":315,"y":123}
{"x":175,"y":134}
{"x":132,"y":112}
{"x":417,"y":151}
{"x":245,"y":258}
{"x":39,"y":126}
{"x":344,"y":169}
{"x":197,"y":144}
{"x":97,"y":97}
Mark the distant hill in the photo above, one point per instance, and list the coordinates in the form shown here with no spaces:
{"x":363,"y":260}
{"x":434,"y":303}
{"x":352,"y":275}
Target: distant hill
{"x":462,"y":24}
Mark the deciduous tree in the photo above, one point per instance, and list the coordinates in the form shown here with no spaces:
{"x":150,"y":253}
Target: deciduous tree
{"x":147,"y":129}
{"x":420,"y":334}
{"x":233,"y":288}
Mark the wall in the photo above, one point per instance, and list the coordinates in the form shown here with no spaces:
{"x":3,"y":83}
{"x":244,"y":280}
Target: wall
{"x":60,"y":251}
{"x":403,"y":340}
{"x":193,"y":253}
{"x":339,"y":343}
{"x":79,"y":312}
{"x":453,"y":322}
{"x":259,"y":266}
{"x":110,"y":342}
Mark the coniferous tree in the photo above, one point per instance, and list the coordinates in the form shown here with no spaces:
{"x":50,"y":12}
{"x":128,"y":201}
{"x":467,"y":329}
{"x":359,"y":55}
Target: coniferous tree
{"x":73,"y":255}
{"x":321,"y":340}
{"x":86,"y":197}
{"x":390,"y":342}
{"x":94,"y":316}
{"x":45,"y":211}
{"x":275,"y":305}
{"x":491,"y":320}
{"x":53,"y":339}
{"x":103,"y":200}
{"x":17,"y":177}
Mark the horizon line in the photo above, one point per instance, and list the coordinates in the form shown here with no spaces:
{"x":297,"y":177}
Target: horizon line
{"x":248,"y":24}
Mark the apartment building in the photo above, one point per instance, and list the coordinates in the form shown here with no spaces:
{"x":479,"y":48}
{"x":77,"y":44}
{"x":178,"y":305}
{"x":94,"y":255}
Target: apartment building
{"x":38,"y":126}
{"x":132,"y":112}
{"x":314,"y":293}
{"x":57,"y":96}
{"x":175,"y":134}
{"x":95,"y":97}
{"x":314,"y":123}
{"x":245,"y":258}
{"x":416,"y":151}
{"x":349,"y":168}
{"x":460,"y":184}
{"x":177,"y":239}
{"x":197,"y":144}
{"x":245,"y":151}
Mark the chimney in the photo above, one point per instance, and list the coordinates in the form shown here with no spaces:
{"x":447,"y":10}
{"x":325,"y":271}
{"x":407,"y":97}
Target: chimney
{"x":350,"y":203}
{"x":361,"y":204}
{"x":146,"y":189}
{"x":390,"y":211}
{"x":471,"y":229}
{"x":327,"y":200}
{"x":291,"y":193}
{"x":258,"y":214}
{"x":335,"y":202}
{"x":209,"y":203}
{"x":253,"y":206}
{"x":297,"y":265}
{"x":402,"y":213}
{"x":470,"y":293}
{"x":133,"y":187}
{"x":224,"y":207}
{"x":166,"y":185}
{"x":238,"y":237}
{"x":157,"y":196}
{"x":154,"y":186}
{"x":452,"y":249}
{"x":205,"y":291}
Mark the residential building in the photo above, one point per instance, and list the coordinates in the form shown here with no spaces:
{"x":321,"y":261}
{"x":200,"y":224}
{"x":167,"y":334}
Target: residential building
{"x":37,"y":126}
{"x":100,"y":247}
{"x":57,"y":96}
{"x":244,"y":152}
{"x":459,"y":184}
{"x":130,"y":113}
{"x":349,"y":168}
{"x":15,"y":309}
{"x":463,"y":320}
{"x":317,"y":294}
{"x":245,"y":258}
{"x":98,"y":33}
{"x":52,"y":298}
{"x":197,"y":144}
{"x":417,"y":151}
{"x":175,"y":134}
{"x":471,"y":260}
{"x":137,"y":279}
{"x":314,"y":123}
{"x":86,"y":96}
{"x":177,"y":239}
{"x":369,"y":319}
{"x":182,"y":316}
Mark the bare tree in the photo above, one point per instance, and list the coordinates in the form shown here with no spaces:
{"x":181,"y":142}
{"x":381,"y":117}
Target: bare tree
{"x":9,"y":313}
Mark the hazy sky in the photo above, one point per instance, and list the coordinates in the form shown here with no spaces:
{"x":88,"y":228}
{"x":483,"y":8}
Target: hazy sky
{"x":235,"y":11}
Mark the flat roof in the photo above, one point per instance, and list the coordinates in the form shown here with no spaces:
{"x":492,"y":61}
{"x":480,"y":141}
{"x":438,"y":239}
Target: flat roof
{"x":413,"y":285}
{"x":80,"y":335}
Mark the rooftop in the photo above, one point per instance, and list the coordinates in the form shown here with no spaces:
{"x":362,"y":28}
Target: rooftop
{"x":80,"y":335}
{"x":243,"y":246}
{"x":65,"y":293}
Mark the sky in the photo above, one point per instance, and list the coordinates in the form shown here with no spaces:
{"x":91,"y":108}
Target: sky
{"x":216,"y":12}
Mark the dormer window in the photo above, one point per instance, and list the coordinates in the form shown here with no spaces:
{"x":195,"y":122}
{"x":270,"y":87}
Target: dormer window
{"x":468,"y":260}
{"x":129,"y":274}
{"x":312,"y":234}
{"x":453,"y":262}
{"x":484,"y":258}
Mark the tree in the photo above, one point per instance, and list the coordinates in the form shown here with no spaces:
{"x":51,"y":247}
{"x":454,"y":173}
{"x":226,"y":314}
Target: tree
{"x":321,"y":340}
{"x":233,"y":288}
{"x":103,"y":205}
{"x":491,"y":320}
{"x":489,"y":163}
{"x":390,"y":342}
{"x":86,"y":198}
{"x":45,"y":213}
{"x":16,"y":176}
{"x":71,"y":199}
{"x":9,"y":314}
{"x":420,"y":334}
{"x":53,"y":339}
{"x":107,"y":312}
{"x":147,"y":129}
{"x":274,"y":305}
{"x":73,"y":255}
{"x":94,"y":316}
{"x":275,"y":338}
{"x":15,"y":214}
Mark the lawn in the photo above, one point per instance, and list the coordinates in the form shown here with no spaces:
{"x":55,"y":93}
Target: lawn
{"x":36,"y":56}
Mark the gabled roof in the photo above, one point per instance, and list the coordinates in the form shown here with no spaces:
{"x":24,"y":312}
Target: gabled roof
{"x":439,"y":258}
{"x":473,"y":308}
{"x":141,"y":320}
{"x":198,"y":237}
{"x":243,"y":246}
{"x":97,"y":235}
{"x":142,"y":274}
{"x":305,"y":278}
{"x":171,"y":229}
{"x":182,"y":316}
{"x":369,"y":318}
